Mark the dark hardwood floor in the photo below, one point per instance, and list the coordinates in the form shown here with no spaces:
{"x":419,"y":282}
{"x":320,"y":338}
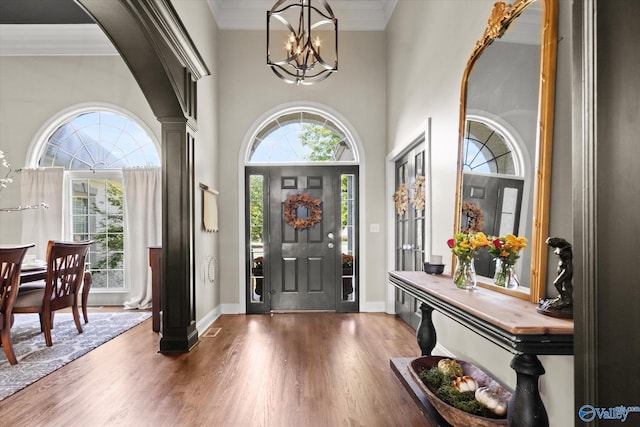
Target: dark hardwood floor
{"x":293,"y":369}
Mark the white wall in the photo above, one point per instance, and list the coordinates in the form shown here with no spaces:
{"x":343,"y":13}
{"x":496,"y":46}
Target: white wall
{"x":356,"y":93}
{"x":428,"y":43}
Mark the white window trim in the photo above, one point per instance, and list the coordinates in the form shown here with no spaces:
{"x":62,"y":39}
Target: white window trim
{"x":68,"y":206}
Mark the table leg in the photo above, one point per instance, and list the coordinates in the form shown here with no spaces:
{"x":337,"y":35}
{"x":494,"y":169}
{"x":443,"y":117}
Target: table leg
{"x":426,"y":332}
{"x":526,"y":408}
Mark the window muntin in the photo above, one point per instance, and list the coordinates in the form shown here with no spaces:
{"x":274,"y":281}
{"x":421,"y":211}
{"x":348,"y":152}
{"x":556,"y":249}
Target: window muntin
{"x":486,"y":150}
{"x":301,"y":137}
{"x":97,"y":214}
{"x":99,"y":140}
{"x":256,"y":234}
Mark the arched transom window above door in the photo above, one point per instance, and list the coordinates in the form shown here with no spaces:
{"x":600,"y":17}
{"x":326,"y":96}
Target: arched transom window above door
{"x":301,"y":137}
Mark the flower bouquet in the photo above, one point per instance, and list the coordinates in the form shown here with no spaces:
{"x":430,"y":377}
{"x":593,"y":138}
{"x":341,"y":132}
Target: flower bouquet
{"x":464,"y":247}
{"x":506,"y":251}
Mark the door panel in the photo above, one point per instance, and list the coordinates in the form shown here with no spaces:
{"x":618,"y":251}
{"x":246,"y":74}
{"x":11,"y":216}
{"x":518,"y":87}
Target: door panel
{"x":499,"y":199}
{"x":410,"y":231}
{"x":303,"y":263}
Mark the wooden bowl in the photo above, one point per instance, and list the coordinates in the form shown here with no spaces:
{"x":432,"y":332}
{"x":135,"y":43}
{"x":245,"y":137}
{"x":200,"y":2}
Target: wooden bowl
{"x":452,"y":415}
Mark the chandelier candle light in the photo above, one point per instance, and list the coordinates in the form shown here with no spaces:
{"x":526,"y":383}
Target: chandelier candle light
{"x":301,"y":62}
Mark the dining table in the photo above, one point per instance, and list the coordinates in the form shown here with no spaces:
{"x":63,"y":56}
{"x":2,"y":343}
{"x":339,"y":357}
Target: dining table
{"x":33,"y":274}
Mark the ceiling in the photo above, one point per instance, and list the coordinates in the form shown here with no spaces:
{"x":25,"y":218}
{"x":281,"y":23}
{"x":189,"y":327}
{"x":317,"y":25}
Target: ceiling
{"x":353,"y":15}
{"x":61,"y":27}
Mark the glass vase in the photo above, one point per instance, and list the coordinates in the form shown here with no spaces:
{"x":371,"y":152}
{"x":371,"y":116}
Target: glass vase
{"x":464,"y":276}
{"x":505,"y":275}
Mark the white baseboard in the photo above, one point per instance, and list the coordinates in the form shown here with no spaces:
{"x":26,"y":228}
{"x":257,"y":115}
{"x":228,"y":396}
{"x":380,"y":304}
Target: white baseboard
{"x":373,"y":307}
{"x":442,"y":351}
{"x":204,"y":323}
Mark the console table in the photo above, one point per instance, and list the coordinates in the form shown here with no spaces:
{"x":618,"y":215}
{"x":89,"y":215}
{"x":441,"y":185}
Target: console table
{"x":509,"y":322}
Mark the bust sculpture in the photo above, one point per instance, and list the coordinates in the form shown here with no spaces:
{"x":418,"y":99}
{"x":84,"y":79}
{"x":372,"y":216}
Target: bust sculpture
{"x":562,"y":305}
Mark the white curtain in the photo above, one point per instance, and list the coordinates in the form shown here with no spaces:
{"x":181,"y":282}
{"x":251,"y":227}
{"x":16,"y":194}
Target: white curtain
{"x":143,"y":228}
{"x":41,"y":225}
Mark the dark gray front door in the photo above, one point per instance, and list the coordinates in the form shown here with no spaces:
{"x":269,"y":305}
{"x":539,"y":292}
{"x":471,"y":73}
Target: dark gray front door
{"x":499,"y":199}
{"x":304,"y":263}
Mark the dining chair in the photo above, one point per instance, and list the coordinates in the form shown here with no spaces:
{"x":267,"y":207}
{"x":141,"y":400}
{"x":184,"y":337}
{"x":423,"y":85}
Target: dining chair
{"x":86,"y":287}
{"x":10,"y":264}
{"x":62,"y":287}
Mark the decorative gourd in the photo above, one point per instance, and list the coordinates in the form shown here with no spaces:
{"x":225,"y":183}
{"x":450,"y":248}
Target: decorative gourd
{"x":491,"y":400}
{"x":450,"y":367}
{"x":464,"y":383}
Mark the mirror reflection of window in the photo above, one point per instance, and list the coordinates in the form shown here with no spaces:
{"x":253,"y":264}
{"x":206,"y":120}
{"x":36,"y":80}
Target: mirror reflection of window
{"x":492,"y":185}
{"x":486,"y":150}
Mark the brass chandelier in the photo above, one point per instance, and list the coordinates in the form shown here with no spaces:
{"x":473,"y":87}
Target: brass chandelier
{"x":298,"y":56}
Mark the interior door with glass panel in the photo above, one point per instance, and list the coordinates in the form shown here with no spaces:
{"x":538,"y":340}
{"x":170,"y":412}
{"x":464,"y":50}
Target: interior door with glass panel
{"x":409,"y":222}
{"x":410,"y":225}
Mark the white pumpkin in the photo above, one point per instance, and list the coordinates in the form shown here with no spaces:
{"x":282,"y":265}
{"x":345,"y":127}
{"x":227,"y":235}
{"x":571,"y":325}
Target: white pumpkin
{"x":491,"y":400}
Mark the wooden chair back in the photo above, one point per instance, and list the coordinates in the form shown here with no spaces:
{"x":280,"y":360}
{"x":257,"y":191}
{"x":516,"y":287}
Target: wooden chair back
{"x":10,"y":264}
{"x":62,"y":287}
{"x":65,"y":273}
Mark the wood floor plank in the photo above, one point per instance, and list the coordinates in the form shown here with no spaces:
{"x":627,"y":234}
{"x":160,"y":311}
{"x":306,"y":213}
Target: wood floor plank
{"x":280,"y":370}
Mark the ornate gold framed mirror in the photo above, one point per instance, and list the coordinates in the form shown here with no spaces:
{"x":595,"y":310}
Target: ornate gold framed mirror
{"x":506,"y":131}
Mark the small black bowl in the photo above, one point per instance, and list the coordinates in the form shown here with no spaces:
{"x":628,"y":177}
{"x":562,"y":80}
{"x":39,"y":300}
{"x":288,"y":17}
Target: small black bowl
{"x":433,"y":268}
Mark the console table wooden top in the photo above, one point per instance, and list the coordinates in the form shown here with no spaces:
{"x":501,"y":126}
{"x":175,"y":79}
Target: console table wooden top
{"x":507,"y":321}
{"x":513,"y":315}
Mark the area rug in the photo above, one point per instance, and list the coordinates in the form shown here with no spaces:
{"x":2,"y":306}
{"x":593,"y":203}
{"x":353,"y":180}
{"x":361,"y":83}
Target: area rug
{"x":36,"y":360}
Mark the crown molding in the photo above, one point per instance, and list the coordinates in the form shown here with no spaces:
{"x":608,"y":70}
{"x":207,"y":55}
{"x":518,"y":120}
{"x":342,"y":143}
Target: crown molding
{"x":89,"y":39}
{"x":54,"y":40}
{"x":353,"y":15}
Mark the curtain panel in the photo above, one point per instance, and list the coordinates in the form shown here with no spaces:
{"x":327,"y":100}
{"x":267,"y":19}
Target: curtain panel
{"x":43,"y":185}
{"x":143,"y":228}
